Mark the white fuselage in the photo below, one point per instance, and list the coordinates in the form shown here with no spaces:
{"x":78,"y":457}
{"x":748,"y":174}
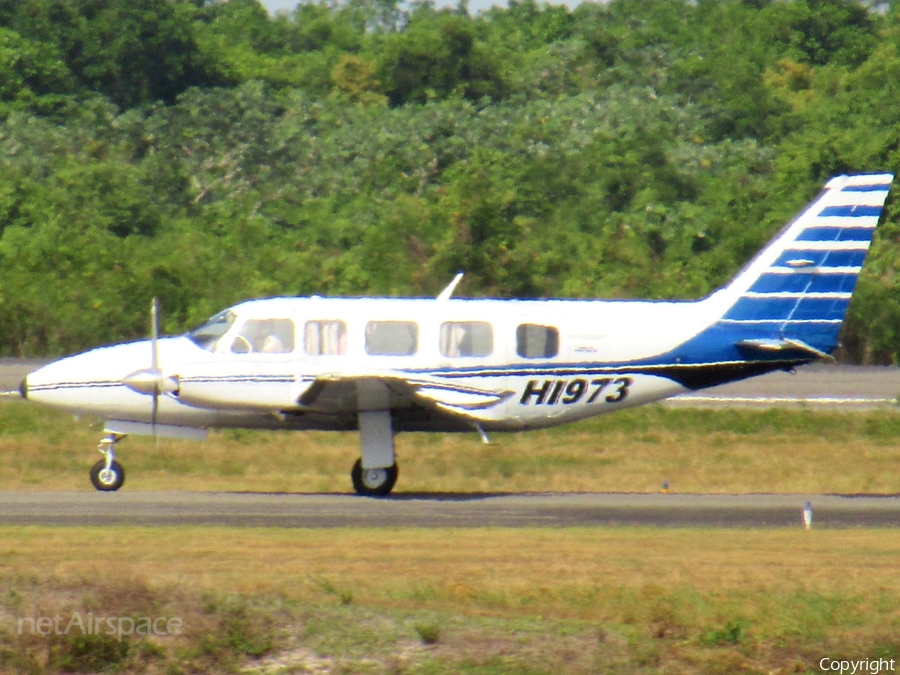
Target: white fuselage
{"x":575,"y":365}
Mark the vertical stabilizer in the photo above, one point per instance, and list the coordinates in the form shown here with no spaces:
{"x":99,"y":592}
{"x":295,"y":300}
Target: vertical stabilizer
{"x":798,"y":288}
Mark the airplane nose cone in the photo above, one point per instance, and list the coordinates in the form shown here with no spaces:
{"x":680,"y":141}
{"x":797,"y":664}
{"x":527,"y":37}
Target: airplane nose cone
{"x":23,"y":388}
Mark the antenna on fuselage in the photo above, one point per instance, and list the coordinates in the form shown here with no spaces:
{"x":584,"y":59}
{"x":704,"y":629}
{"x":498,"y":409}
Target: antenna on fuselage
{"x":447,"y":292}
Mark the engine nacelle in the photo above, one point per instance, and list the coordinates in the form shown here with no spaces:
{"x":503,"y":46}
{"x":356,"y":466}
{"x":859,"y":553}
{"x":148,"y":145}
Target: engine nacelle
{"x":249,"y":385}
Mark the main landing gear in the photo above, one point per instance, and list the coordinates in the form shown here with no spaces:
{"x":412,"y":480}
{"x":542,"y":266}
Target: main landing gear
{"x":373,"y":482}
{"x":107,"y":475}
{"x":375,"y":472}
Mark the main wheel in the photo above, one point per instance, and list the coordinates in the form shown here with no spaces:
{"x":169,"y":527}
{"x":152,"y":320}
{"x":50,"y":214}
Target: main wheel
{"x":107,"y":480}
{"x":373,"y":482}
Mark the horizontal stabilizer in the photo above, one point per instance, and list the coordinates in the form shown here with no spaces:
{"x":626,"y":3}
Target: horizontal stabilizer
{"x":765,"y":348}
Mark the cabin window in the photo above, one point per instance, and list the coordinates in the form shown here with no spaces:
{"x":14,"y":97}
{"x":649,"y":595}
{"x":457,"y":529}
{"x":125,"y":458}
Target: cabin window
{"x":392,"y":338}
{"x":325,"y":337}
{"x":537,"y":342}
{"x":466,"y":338}
{"x":207,"y":336}
{"x":265,"y":336}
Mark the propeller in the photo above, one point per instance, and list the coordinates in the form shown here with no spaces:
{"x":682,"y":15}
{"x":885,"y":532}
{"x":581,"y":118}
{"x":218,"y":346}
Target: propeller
{"x":151,"y":381}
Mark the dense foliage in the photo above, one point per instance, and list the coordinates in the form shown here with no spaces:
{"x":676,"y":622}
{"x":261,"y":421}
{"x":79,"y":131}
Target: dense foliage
{"x":207,"y":152}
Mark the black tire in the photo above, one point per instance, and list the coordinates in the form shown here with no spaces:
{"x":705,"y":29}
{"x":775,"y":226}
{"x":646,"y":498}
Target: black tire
{"x":107,"y":483}
{"x":374,"y":482}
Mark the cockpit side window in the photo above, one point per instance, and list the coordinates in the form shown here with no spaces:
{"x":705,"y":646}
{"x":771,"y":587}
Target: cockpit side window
{"x":265,"y":336}
{"x":207,"y":336}
{"x":325,"y":338}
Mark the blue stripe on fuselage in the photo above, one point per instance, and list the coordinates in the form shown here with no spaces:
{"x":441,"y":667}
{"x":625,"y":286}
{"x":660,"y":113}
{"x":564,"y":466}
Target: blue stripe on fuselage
{"x":707,"y":359}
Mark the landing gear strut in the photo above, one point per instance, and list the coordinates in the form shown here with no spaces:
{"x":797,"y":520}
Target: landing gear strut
{"x":107,"y":475}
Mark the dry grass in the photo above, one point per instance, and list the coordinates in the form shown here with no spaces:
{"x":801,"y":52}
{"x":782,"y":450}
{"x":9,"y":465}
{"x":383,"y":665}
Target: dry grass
{"x":560,"y":573}
{"x":695,"y":450}
{"x":489,"y":601}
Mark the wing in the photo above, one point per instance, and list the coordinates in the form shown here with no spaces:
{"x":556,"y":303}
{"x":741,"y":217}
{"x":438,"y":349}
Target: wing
{"x":343,"y":392}
{"x":268,"y":387}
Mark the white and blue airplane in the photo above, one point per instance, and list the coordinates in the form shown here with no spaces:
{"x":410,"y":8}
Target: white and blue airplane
{"x":385,"y":365}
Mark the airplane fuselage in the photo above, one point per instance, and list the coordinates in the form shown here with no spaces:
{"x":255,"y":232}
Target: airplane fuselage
{"x":557,"y":361}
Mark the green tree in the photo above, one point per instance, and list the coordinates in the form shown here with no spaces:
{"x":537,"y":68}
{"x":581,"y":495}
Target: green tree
{"x":133,"y":53}
{"x":32,"y":76}
{"x":438,"y":55}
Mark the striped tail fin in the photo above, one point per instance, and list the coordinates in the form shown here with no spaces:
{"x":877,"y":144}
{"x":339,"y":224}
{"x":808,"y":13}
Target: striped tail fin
{"x":795,"y":293}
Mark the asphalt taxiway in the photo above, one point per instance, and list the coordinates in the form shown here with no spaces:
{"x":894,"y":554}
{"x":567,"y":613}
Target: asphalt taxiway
{"x":450,"y":510}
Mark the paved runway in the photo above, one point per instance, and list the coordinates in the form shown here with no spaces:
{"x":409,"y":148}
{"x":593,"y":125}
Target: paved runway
{"x":13,"y":371}
{"x":819,"y":385}
{"x":459,"y":510}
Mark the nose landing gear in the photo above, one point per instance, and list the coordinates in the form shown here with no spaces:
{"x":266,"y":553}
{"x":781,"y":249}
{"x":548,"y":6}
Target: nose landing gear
{"x":107,"y":475}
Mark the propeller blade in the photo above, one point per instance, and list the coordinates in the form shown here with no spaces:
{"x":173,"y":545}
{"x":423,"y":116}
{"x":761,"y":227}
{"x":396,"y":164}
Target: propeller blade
{"x":154,"y":362}
{"x":153,"y":412}
{"x":154,"y":334}
{"x":151,"y":381}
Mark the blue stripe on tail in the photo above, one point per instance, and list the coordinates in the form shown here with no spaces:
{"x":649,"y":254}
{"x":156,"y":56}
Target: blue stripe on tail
{"x":827,"y":282}
{"x":837,"y":234}
{"x":852,"y":211}
{"x":817,"y":259}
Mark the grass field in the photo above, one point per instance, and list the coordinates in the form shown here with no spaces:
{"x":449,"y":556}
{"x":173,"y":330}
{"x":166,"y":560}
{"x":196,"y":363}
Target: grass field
{"x":696,"y":450}
{"x":480,"y":601}
{"x":455,"y":601}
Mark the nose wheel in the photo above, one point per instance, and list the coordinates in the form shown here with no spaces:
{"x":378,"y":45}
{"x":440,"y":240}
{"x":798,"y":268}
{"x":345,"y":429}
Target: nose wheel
{"x":107,"y":475}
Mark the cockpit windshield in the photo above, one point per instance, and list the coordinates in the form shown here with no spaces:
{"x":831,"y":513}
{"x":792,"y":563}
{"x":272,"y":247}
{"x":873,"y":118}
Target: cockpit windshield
{"x":207,"y":335}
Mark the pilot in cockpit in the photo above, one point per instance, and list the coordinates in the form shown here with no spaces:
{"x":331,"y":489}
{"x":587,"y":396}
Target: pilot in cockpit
{"x":265,"y":336}
{"x":271,"y":343}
